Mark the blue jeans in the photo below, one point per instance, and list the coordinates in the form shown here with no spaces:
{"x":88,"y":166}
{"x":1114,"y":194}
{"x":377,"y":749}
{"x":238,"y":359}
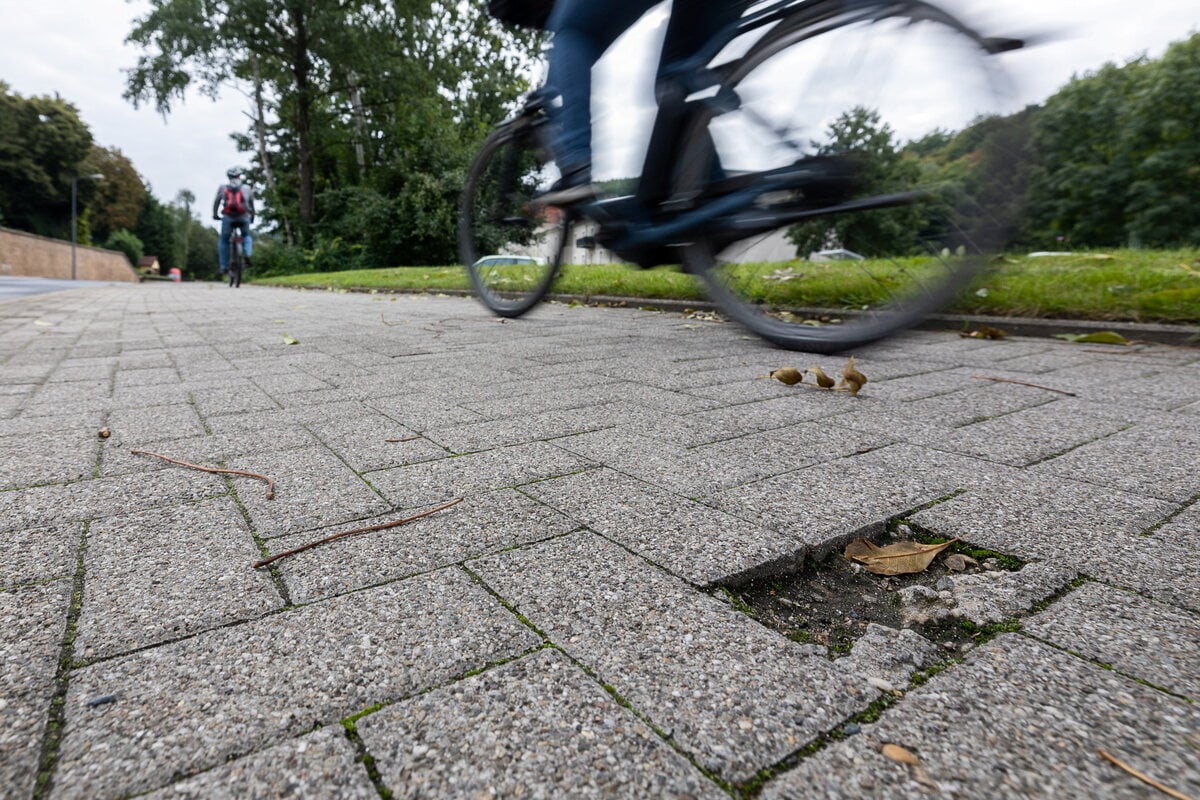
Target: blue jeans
{"x":228,"y":223}
{"x":584,"y":29}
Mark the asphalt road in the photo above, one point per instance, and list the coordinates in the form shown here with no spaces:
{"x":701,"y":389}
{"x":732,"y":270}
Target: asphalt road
{"x":11,"y":287}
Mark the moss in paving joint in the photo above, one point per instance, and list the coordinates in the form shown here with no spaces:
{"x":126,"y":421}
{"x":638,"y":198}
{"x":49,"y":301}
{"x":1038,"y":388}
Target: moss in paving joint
{"x":1169,"y":518}
{"x":272,"y":569}
{"x":366,"y":759}
{"x":925,"y":536}
{"x":1113,"y":669}
{"x":56,"y":715}
{"x":524,"y":620}
{"x":738,"y":603}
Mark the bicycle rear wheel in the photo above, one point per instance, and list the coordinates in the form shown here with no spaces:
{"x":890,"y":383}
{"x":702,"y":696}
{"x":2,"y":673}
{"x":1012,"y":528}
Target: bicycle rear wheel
{"x":838,"y":94}
{"x":498,"y":218}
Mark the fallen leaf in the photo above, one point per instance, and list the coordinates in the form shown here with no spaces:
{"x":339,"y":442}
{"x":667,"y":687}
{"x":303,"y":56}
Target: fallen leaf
{"x":104,"y":433}
{"x":789,"y":375}
{"x":959,"y":562}
{"x":852,"y":379}
{"x":823,"y":380}
{"x":290,"y":340}
{"x":985,"y":332}
{"x":1099,"y":337}
{"x":900,"y":755}
{"x":900,"y":558}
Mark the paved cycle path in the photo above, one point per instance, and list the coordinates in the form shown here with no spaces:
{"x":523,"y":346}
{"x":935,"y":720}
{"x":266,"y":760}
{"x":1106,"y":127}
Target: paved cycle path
{"x":563,"y":631}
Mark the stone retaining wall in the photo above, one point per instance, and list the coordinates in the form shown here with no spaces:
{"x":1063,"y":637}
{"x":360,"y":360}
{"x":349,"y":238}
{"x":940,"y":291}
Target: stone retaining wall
{"x":39,"y":257}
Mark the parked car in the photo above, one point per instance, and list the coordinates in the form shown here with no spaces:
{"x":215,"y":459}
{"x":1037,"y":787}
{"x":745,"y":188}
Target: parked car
{"x":501,"y":260}
{"x":835,"y":255}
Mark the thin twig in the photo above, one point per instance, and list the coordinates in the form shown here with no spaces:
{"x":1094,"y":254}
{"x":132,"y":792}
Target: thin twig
{"x":1022,"y":383}
{"x":405,"y":439}
{"x":368,"y":529}
{"x":270,"y":483}
{"x":1144,"y":778}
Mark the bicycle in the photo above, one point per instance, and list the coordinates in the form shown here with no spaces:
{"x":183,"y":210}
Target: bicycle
{"x":728,"y":171}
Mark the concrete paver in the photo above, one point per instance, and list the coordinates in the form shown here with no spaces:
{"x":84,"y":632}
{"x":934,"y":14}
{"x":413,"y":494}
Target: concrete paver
{"x":619,"y":468}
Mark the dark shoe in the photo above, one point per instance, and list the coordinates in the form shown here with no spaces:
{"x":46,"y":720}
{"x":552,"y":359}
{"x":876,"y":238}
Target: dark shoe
{"x":573,"y":187}
{"x":246,"y":264}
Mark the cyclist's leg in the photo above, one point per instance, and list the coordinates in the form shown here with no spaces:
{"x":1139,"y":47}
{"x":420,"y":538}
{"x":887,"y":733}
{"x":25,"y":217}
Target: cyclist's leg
{"x":223,"y":243}
{"x":690,"y":27}
{"x":583,"y":30}
{"x":247,"y":238}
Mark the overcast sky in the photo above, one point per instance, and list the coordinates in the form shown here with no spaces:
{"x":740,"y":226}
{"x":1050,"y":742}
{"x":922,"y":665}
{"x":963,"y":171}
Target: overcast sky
{"x":76,"y":48}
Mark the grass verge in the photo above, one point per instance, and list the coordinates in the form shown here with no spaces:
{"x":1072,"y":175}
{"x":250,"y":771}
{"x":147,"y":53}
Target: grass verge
{"x":1123,"y":285}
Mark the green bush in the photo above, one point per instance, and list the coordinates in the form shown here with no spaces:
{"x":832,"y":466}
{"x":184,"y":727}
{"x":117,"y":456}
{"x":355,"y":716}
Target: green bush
{"x":128,"y":243}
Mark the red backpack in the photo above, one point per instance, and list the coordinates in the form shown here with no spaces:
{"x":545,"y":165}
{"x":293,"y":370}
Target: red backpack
{"x":235,"y":203}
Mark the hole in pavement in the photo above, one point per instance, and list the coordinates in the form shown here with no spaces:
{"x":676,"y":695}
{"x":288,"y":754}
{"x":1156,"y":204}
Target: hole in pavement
{"x":831,"y":602}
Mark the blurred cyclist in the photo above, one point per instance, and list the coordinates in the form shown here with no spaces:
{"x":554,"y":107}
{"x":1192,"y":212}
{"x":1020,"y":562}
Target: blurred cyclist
{"x":234,"y":207}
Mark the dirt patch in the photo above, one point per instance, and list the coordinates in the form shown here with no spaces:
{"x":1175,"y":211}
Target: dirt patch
{"x":831,"y":602}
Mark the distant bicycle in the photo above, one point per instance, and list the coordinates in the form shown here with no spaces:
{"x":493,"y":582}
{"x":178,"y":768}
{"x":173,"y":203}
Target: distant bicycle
{"x":237,"y":258}
{"x":773,"y":139}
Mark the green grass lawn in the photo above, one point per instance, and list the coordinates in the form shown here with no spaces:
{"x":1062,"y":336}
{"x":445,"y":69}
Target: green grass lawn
{"x":1134,"y":285}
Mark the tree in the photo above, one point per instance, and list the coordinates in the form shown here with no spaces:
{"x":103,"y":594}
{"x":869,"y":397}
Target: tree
{"x":156,"y":229}
{"x":43,"y":144}
{"x":869,"y":145}
{"x":335,"y":75}
{"x":118,"y":199}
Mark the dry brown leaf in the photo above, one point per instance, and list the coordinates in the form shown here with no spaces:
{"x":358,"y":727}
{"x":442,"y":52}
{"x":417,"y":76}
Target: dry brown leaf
{"x":104,"y":433}
{"x":823,"y":380}
{"x":900,"y":755}
{"x":985,"y":332}
{"x":789,"y":375}
{"x":900,"y":558}
{"x":852,"y":379}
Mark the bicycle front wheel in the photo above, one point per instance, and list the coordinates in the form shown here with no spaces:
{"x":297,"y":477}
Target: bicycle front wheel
{"x":895,"y":215}
{"x":511,"y":245}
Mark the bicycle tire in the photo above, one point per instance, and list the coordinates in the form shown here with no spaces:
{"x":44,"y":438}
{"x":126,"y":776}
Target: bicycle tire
{"x":954,"y":233}
{"x":235,"y":263}
{"x":497,"y":213}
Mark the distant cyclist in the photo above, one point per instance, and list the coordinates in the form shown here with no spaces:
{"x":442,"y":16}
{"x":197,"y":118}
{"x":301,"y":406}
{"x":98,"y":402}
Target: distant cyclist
{"x":583,"y":30}
{"x":234,"y":207}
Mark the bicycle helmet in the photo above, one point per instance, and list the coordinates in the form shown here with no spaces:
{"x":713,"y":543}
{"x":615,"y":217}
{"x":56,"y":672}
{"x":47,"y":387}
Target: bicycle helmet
{"x":234,"y":172}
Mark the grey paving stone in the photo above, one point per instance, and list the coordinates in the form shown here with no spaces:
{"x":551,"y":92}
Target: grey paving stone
{"x":1052,"y":519}
{"x":1145,"y":460}
{"x":207,"y":451}
{"x":126,"y":398}
{"x":313,"y":488}
{"x":70,"y":395}
{"x":232,"y":690}
{"x":138,"y":426}
{"x":463,"y":476}
{"x":890,"y":656}
{"x":51,"y":505}
{"x":33,"y":620}
{"x":665,"y":647}
{"x":823,"y":505}
{"x":538,"y":727}
{"x":1034,"y":717}
{"x":32,"y":459}
{"x":1027,"y":436}
{"x":522,"y":429}
{"x":1151,"y":564}
{"x":319,"y":764}
{"x":1141,"y":638}
{"x":128,"y":378}
{"x":34,"y":554}
{"x":696,"y":542}
{"x":58,"y":424}
{"x":802,"y":405}
{"x":217,"y":400}
{"x":164,"y":574}
{"x":480,"y":524}
{"x":1121,"y":382}
{"x":422,"y":412}
{"x":977,"y":404}
{"x":362,"y":443}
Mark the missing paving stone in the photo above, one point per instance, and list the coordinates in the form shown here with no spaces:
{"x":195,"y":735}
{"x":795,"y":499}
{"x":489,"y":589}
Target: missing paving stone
{"x":832,"y":603}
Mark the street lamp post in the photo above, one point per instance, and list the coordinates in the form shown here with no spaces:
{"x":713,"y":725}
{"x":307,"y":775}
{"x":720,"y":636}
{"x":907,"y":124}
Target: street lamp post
{"x":74,"y":184}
